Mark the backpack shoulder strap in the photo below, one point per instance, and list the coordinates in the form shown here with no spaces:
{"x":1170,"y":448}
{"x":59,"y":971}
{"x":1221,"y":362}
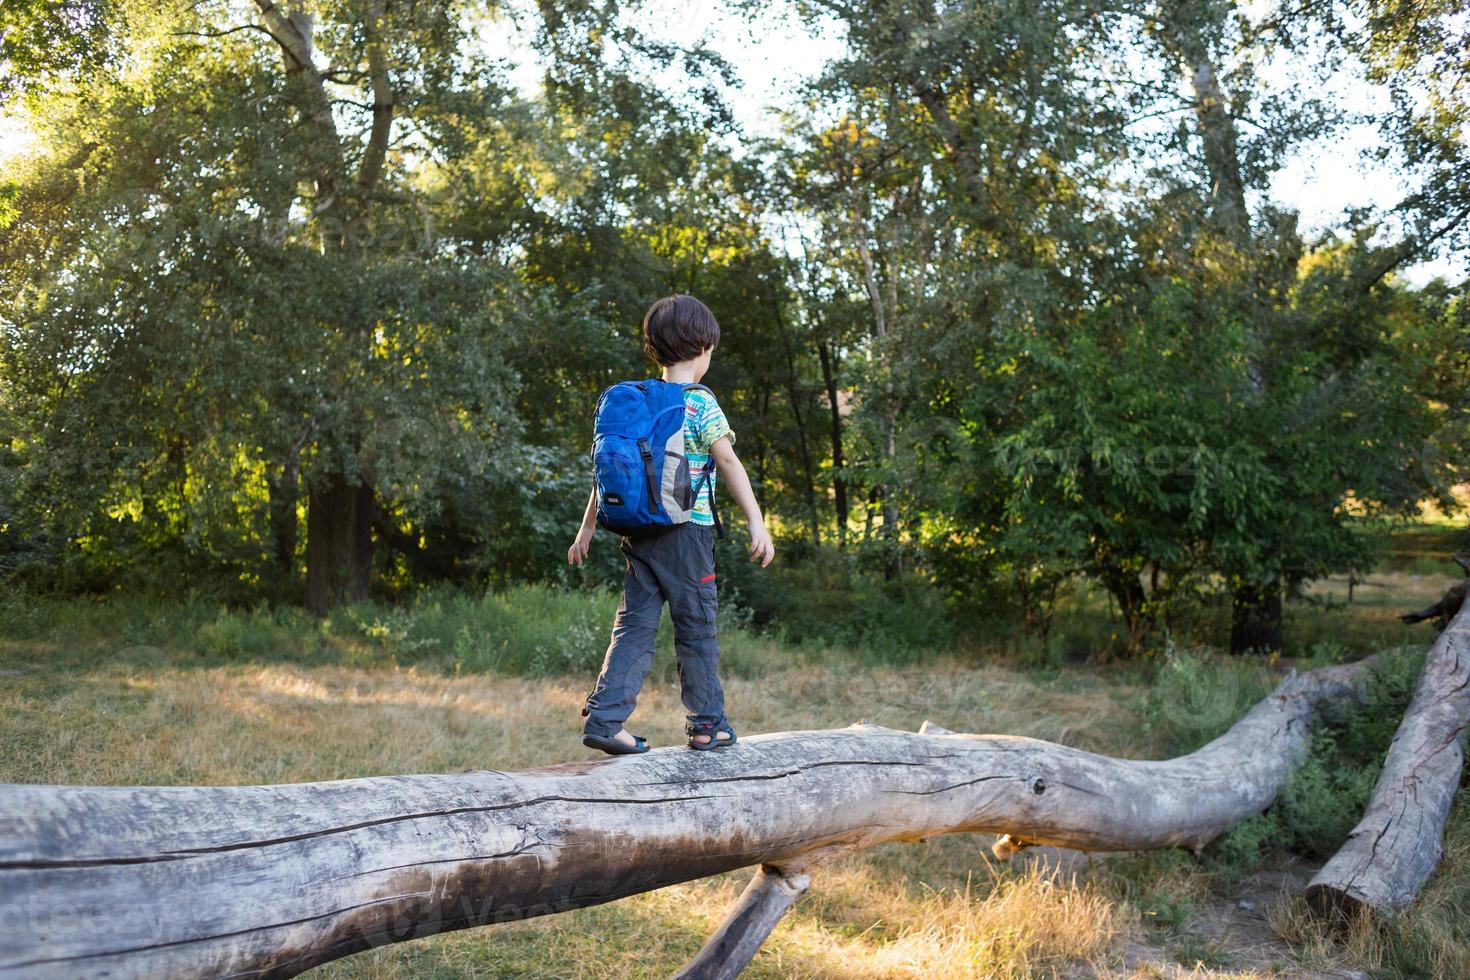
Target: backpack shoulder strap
{"x":706,"y":480}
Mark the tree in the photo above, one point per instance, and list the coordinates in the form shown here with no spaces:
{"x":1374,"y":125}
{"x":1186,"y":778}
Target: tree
{"x":1314,"y":361}
{"x":219,"y":274}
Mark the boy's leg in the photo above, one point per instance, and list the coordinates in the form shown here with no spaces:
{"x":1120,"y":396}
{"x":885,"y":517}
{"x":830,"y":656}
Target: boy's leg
{"x":630,"y":654}
{"x":686,"y":569}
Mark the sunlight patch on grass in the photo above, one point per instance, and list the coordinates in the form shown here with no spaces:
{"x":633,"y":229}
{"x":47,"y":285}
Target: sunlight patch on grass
{"x":1018,"y":927}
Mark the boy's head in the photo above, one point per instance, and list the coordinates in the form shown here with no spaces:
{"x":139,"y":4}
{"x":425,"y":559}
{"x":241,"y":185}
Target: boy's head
{"x":679,"y":328}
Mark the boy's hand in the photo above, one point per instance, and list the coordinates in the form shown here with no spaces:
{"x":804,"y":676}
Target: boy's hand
{"x":578,"y":551}
{"x":761,"y":548}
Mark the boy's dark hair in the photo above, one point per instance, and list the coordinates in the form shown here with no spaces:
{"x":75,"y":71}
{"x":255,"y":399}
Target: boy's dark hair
{"x":678,"y":328}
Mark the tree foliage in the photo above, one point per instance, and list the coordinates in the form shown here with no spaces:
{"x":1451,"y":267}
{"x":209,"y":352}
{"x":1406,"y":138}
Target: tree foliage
{"x":313,"y":297}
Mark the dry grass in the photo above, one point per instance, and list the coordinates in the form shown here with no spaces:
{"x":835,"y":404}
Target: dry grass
{"x":940,"y":909}
{"x":897,"y":911}
{"x":855,"y":923}
{"x":1016,"y":925}
{"x":121,"y":722}
{"x":1319,"y":942}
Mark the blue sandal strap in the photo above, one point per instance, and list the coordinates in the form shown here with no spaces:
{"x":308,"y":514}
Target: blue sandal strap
{"x":710,"y":730}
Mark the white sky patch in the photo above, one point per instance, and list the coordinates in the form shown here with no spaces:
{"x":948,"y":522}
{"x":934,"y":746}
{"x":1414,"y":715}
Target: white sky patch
{"x":1325,"y":177}
{"x":772,"y":55}
{"x":505,"y":39}
{"x":15,"y":137}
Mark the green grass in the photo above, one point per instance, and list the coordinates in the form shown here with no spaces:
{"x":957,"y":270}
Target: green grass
{"x":530,"y":631}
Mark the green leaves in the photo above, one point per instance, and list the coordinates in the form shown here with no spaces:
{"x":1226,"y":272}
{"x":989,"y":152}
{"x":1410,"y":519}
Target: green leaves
{"x":983,"y":319}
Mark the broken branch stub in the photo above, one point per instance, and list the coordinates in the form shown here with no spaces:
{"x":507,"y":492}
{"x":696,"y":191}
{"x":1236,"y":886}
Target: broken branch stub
{"x":1397,"y":845}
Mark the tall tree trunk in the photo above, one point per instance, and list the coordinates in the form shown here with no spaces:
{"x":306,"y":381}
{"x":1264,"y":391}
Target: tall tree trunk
{"x":339,"y":543}
{"x":839,"y":485}
{"x":340,"y":514}
{"x":1256,"y":620}
{"x":1217,"y":132}
{"x":760,"y":450}
{"x":283,"y":490}
{"x":793,"y":393}
{"x":884,"y":321}
{"x":1255,"y":617}
{"x":1132,"y":601}
{"x":893,"y":559}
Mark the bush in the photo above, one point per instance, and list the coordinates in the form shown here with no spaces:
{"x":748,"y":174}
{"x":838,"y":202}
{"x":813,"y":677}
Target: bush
{"x":828,"y":599}
{"x":535,"y":630}
{"x":1329,"y":789}
{"x":1196,"y":695}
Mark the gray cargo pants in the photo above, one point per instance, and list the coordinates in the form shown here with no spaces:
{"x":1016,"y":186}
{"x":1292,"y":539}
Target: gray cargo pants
{"x":677,"y":567}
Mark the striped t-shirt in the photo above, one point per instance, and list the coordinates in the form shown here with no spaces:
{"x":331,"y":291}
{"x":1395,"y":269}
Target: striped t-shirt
{"x":704,"y":423}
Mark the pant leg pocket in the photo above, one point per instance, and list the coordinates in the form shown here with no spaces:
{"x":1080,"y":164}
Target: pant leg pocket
{"x":709,"y":602}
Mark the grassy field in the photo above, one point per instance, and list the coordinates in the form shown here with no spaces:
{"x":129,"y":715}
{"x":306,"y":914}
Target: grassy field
{"x":134,"y":692}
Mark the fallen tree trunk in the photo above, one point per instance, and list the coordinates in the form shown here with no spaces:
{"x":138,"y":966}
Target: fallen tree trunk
{"x":1392,"y":852}
{"x":267,"y":881}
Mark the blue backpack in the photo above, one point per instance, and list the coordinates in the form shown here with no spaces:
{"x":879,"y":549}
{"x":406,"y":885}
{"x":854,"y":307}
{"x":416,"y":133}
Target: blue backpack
{"x":639,"y":468}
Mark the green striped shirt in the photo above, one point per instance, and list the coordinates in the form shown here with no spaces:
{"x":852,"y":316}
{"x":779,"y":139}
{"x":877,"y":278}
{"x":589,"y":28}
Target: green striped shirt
{"x":704,"y":423}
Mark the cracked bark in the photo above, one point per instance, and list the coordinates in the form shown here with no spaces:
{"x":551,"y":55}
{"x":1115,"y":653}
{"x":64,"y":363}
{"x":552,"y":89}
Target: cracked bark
{"x":1394,"y":849}
{"x":268,"y":881}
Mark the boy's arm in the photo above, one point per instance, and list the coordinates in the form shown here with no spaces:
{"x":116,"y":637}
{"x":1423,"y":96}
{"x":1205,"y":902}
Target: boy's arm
{"x":578,"y":551}
{"x":733,"y":473}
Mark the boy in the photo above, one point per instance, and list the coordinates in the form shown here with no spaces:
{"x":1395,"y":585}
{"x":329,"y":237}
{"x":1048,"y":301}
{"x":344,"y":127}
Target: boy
{"x":680,"y":334}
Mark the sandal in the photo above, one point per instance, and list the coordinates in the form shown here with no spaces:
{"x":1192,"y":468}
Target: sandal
{"x":612,"y":746}
{"x":710,"y":730}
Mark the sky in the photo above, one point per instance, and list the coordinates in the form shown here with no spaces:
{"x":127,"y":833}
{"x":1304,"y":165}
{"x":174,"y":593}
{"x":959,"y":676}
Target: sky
{"x":774,"y":52}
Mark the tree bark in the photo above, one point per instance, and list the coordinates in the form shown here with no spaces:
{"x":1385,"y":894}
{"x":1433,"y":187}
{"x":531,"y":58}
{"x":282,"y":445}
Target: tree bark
{"x":839,"y":485}
{"x":893,"y":557}
{"x":1255,"y":617}
{"x":339,"y":543}
{"x":1256,"y":621}
{"x":760,"y":907}
{"x":268,"y":881}
{"x":293,"y":33}
{"x":281,"y":490}
{"x":884,"y":322}
{"x":1395,"y":848}
{"x":1217,"y":129}
{"x":794,"y":395}
{"x":1127,"y":590}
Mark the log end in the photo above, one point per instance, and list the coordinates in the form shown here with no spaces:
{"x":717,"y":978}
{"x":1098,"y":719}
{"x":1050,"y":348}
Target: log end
{"x":1336,"y":904}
